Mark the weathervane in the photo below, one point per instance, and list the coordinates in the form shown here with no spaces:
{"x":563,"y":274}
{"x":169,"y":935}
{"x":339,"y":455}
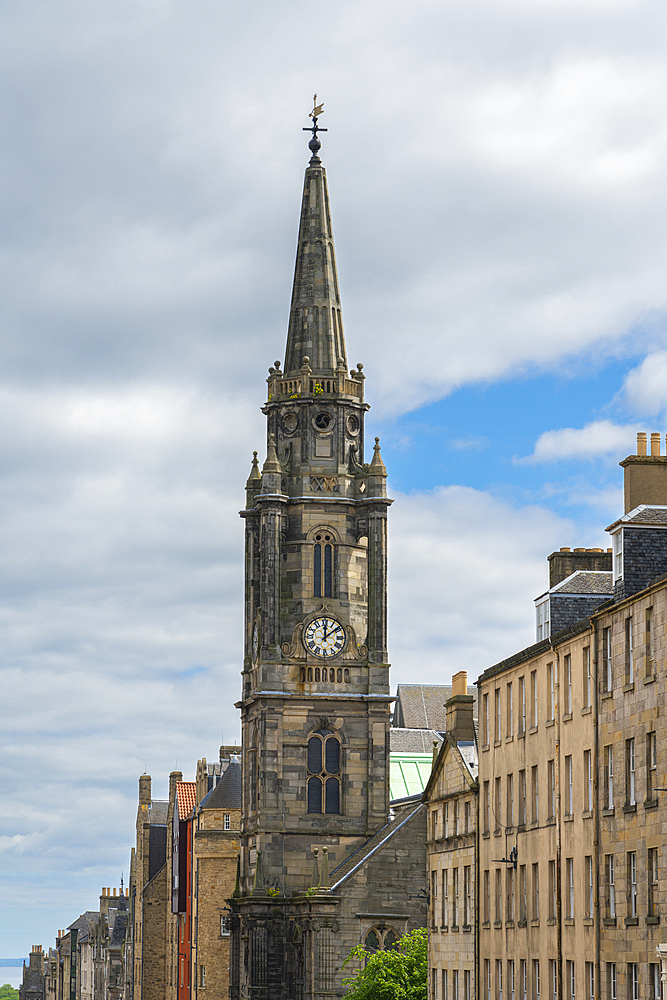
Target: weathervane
{"x":315,"y":145}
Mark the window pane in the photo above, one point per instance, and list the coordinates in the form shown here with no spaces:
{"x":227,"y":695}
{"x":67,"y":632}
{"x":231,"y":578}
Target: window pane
{"x":314,"y":795}
{"x":327,"y":571}
{"x":332,"y":795}
{"x":390,"y":941}
{"x":318,"y":571}
{"x":372,"y":942}
{"x":332,"y":755}
{"x":314,"y":755}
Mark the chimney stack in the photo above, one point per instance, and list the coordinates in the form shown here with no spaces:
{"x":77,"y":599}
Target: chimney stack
{"x":145,"y":790}
{"x":459,"y":709}
{"x":645,"y":479}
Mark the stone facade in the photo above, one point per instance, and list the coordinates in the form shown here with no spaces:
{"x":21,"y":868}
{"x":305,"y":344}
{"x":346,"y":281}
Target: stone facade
{"x":572,"y":767}
{"x":632,"y":764}
{"x":451,"y":797}
{"x":537,"y":752}
{"x":150,"y":894}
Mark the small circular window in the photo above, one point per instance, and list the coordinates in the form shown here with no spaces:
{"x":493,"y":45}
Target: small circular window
{"x":323,"y":421}
{"x":352,"y":424}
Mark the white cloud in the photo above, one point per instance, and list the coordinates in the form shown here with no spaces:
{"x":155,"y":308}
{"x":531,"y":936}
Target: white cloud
{"x":464,"y":570}
{"x":645,"y":387}
{"x":602,"y":437}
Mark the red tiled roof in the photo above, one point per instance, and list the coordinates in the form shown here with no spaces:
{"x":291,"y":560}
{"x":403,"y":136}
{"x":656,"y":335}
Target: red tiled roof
{"x":187,"y":798}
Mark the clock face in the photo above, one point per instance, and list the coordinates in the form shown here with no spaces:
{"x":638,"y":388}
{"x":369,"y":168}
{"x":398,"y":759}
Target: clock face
{"x":324,"y":637}
{"x":255,"y":641}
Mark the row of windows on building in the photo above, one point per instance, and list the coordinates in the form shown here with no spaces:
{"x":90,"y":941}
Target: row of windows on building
{"x":520,"y":810}
{"x":513,"y":903}
{"x":527,"y":697}
{"x":451,"y":984}
{"x":452,"y":900}
{"x":341,"y":675}
{"x":511,"y":980}
{"x":452,"y":819}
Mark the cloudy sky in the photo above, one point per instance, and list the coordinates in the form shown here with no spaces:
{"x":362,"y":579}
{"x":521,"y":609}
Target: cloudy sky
{"x":497,"y":180}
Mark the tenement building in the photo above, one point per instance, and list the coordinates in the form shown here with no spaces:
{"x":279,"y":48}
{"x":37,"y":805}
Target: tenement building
{"x":451,"y":795}
{"x":325,"y":862}
{"x":572,"y":771}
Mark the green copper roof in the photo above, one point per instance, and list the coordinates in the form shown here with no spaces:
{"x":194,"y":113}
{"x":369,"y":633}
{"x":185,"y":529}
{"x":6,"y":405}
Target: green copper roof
{"x":409,"y":773}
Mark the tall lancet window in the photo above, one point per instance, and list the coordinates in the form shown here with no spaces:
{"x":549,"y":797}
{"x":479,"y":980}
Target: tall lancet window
{"x":323,"y":568}
{"x":323,"y":772}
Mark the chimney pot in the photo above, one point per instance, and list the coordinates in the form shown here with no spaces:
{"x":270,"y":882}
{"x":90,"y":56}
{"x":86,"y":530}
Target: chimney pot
{"x":655,"y":444}
{"x":460,"y":683}
{"x":580,"y":550}
{"x":641,"y":443}
{"x":564,"y":548}
{"x":115,"y":892}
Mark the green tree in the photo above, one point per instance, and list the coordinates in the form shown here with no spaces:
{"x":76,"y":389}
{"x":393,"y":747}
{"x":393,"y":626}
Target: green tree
{"x":8,"y":992}
{"x":397,"y":974}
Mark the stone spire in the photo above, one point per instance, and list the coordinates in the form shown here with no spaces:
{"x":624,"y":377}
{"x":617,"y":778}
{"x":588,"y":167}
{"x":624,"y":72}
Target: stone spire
{"x":315,"y":323}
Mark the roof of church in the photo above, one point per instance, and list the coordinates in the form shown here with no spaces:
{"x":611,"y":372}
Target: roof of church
{"x":422,"y":706}
{"x":186,"y":794}
{"x":413,"y":740}
{"x":315,"y":323}
{"x":227,"y":792}
{"x":157,"y":814}
{"x":376,"y":843}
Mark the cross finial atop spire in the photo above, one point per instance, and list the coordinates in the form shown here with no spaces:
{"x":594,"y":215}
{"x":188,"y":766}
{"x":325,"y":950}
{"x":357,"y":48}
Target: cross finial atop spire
{"x":315,"y":145}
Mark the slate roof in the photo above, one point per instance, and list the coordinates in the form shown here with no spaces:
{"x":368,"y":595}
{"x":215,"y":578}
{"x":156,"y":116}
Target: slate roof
{"x":644,"y":514}
{"x":363,"y":853}
{"x":585,"y":581}
{"x":186,"y":794}
{"x":84,"y":922}
{"x":422,"y":706}
{"x":413,"y":740}
{"x":227,"y":792}
{"x":157,"y":814}
{"x":468,"y":751}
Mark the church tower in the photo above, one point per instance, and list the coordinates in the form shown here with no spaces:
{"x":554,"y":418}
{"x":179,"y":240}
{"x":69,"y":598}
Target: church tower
{"x":315,"y":702}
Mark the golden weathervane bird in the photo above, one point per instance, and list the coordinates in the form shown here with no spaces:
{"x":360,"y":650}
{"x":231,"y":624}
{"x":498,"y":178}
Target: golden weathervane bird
{"x":317,"y":108}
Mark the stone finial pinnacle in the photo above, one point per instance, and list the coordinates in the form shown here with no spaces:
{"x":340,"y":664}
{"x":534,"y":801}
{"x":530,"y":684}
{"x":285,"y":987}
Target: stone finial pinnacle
{"x":255,"y":477}
{"x":271,"y":464}
{"x":377,"y":466}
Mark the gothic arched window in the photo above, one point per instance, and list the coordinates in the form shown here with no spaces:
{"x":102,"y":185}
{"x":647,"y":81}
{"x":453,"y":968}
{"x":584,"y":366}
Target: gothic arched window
{"x":323,"y":565}
{"x":381,"y":939}
{"x":323,"y":772}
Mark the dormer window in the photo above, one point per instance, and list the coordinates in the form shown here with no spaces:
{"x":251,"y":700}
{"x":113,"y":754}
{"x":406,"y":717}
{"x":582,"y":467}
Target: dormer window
{"x":617,"y":560}
{"x":543,"y":620}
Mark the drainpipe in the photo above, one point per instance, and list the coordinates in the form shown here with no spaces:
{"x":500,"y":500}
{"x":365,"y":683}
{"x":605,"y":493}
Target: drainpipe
{"x":596,"y":805}
{"x":477,"y":883}
{"x":559,"y":914}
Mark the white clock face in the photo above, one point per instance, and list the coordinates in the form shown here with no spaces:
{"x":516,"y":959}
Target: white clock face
{"x":325,"y":637}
